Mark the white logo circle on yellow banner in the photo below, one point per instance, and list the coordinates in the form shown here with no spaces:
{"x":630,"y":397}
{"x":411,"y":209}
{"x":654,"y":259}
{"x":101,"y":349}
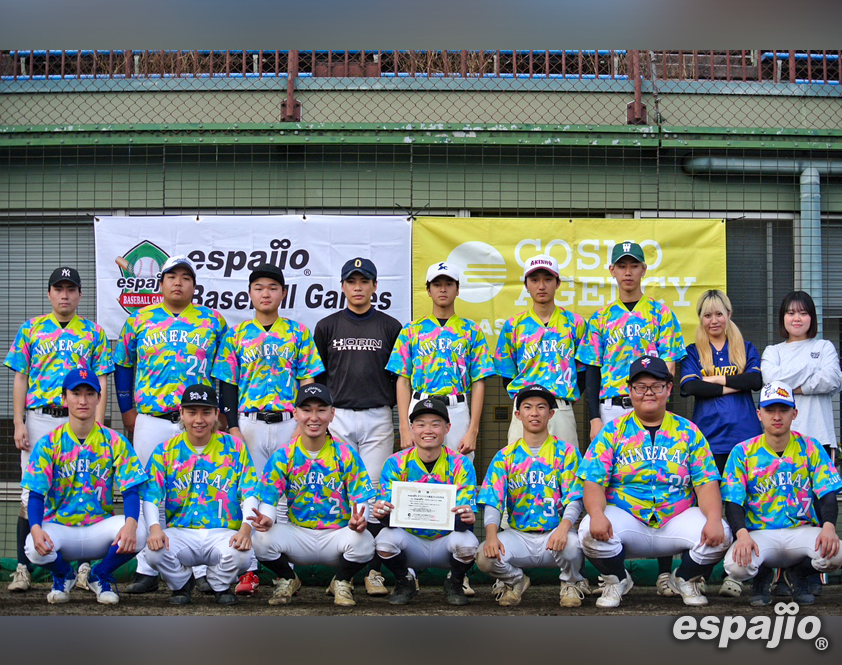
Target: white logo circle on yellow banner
{"x":482,"y":269}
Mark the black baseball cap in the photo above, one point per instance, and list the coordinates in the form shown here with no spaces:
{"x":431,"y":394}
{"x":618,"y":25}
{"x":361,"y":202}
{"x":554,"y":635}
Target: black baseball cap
{"x":315,"y":391}
{"x":649,"y":365}
{"x":363,"y":266}
{"x":80,"y":377}
{"x":65,"y":274}
{"x":199,"y":394}
{"x":432,"y":405}
{"x":267,"y":270}
{"x":534,"y":390}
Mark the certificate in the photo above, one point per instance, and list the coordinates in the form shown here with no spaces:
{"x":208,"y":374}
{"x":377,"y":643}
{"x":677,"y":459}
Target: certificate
{"x":423,"y":506}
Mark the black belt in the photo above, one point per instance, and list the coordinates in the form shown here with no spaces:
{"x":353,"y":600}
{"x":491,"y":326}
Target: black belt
{"x":622,"y":400}
{"x":172,"y":416}
{"x":54,"y":411}
{"x":459,"y":398}
{"x":270,"y":417}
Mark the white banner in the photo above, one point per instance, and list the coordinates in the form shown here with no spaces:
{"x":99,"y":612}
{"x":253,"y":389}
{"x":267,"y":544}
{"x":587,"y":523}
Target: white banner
{"x":310,"y":250}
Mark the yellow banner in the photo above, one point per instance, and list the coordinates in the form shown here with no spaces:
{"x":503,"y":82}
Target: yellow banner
{"x":684,"y":258}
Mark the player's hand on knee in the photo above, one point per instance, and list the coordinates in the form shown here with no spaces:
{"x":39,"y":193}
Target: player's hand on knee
{"x":242,"y":539}
{"x":713,"y":533}
{"x":827,"y":544}
{"x":21,"y":438}
{"x":259,"y":521}
{"x":601,"y":528}
{"x":357,"y":522}
{"x":465,"y":514}
{"x":493,"y":548}
{"x":126,"y":539}
{"x":743,"y":548}
{"x":558,"y":539}
{"x":157,"y":538}
{"x":42,"y":542}
{"x":596,"y":426}
{"x":382,"y":509}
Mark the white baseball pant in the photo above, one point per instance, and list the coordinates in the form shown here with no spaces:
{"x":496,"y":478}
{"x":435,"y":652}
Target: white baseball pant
{"x":38,"y":426}
{"x":782,"y":548}
{"x":307,"y":547}
{"x":609,"y":411}
{"x":83,"y":543}
{"x":528,"y":549}
{"x":460,"y":421}
{"x":423,"y":553}
{"x":562,"y":425}
{"x":640,"y":541}
{"x":199,"y":547}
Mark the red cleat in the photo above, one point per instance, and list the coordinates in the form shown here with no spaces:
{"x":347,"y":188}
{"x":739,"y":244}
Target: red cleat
{"x":247,"y":585}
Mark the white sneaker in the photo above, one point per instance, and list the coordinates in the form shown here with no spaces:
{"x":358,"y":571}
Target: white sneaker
{"x":375,"y":584}
{"x":570,"y":595}
{"x":284,"y":590}
{"x":21,"y":579}
{"x":106,"y":592}
{"x":689,"y":590}
{"x":82,"y":576}
{"x":466,"y":586}
{"x":614,"y":590}
{"x":60,"y":593}
{"x":663,"y":586}
{"x":512,"y":595}
{"x":730,"y":587}
{"x":343,"y":593}
{"x":584,"y":587}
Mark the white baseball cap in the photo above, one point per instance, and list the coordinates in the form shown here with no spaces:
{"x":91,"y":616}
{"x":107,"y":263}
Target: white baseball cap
{"x":441,"y":268}
{"x":540,"y":262}
{"x":175,"y":261}
{"x":776,"y":392}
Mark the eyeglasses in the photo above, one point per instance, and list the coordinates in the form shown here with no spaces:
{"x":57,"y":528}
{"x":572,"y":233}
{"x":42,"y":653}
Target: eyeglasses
{"x":655,"y":389}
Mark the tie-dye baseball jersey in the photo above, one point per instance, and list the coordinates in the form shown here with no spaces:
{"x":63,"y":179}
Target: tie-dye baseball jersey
{"x":46,"y":352}
{"x":76,"y":479}
{"x":321,"y":492}
{"x":201,"y":490}
{"x":441,"y":360}
{"x":616,"y":337}
{"x":534,"y":489}
{"x":451,"y":468}
{"x":267,"y":365}
{"x":652,"y":481}
{"x":777,"y":491}
{"x":529,"y":352}
{"x":168,"y":353}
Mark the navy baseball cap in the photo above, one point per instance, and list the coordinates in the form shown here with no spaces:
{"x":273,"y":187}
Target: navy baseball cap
{"x":363,"y":266}
{"x":432,"y":405}
{"x":315,"y":391}
{"x":776,"y":392}
{"x":199,"y":394}
{"x":174,"y":261}
{"x":649,"y":365}
{"x":534,"y":390}
{"x":267,"y":270}
{"x":80,"y":377}
{"x":627,"y":248}
{"x":65,"y":274}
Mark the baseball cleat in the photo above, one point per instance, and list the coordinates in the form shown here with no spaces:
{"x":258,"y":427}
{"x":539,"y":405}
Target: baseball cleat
{"x":511,"y":595}
{"x":182,"y":596}
{"x":689,"y":590}
{"x":454,"y":592}
{"x":225,"y":597}
{"x":104,"y":588}
{"x":284,"y":590}
{"x":584,"y":587}
{"x":142,"y":584}
{"x":570,"y":595}
{"x":663,"y":586}
{"x":343,"y":593}
{"x":248,"y":584}
{"x":375,"y":584}
{"x":82,"y":576}
{"x":731,"y":588}
{"x":21,"y":579}
{"x":203,"y":586}
{"x":614,"y":590}
{"x":60,"y":593}
{"x":761,"y":588}
{"x":466,"y":586}
{"x":815,"y":583}
{"x":800,"y":586}
{"x":404,"y":591}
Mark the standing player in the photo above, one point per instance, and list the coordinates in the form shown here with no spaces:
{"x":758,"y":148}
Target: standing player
{"x":354,"y":345}
{"x":260,"y":364}
{"x":70,"y":479}
{"x":429,"y":461}
{"x":162,"y":348}
{"x":205,"y":482}
{"x":534,"y":480}
{"x":642,"y":476}
{"x":44,"y":350}
{"x":539,"y":347}
{"x":634,"y":325}
{"x":771,"y":484}
{"x":327,"y":490}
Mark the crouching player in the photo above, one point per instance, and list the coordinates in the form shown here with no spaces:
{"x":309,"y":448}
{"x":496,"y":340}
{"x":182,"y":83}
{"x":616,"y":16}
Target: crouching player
{"x":428,"y":461}
{"x":206,"y":481}
{"x":327,"y":490}
{"x":70,"y":477}
{"x":533,"y":478}
{"x":770,"y":485}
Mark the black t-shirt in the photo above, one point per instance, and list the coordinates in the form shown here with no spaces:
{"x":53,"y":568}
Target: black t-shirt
{"x":355,"y":350}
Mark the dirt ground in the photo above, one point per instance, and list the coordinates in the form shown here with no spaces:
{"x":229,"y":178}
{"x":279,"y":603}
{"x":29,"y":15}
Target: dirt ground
{"x":538,"y":601}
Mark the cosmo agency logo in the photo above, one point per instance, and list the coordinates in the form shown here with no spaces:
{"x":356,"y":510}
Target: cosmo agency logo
{"x":772,"y":630}
{"x":482,"y":269}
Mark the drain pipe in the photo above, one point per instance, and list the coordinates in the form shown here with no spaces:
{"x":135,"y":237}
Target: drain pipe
{"x":808,"y":230}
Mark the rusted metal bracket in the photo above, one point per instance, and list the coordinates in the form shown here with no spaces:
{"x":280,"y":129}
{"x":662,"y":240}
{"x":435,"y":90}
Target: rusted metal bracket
{"x":291,"y":107}
{"x":636,"y":110}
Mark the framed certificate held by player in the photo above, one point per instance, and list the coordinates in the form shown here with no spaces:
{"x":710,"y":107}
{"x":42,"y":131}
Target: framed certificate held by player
{"x":423,"y":506}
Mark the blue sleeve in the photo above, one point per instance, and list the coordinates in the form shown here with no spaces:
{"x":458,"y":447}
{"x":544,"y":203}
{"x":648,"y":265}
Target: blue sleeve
{"x":123,"y":383}
{"x":752,"y":358}
{"x":35,"y":509}
{"x":691,"y":368}
{"x":131,"y":502}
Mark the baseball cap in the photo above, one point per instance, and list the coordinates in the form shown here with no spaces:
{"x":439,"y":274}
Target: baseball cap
{"x":540,"y":262}
{"x":175,"y":261}
{"x":65,"y":274}
{"x":199,"y":394}
{"x":534,"y":390}
{"x":80,"y":377}
{"x":649,"y":365}
{"x":315,"y":391}
{"x":267,"y":270}
{"x":776,"y":392}
{"x":363,"y":266}
{"x":442,"y":269}
{"x":627,"y":248}
{"x":432,"y":405}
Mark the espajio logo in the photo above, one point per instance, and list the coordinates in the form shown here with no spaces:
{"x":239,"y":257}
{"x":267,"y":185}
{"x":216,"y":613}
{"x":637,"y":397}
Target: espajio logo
{"x":482,"y":269}
{"x":772,"y":630}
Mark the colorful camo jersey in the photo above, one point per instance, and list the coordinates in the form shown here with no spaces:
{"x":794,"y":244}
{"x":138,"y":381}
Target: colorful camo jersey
{"x":652,"y":481}
{"x":450,"y":469}
{"x":321,"y":492}
{"x":529,"y":352}
{"x":46,"y":352}
{"x":201,"y":490}
{"x":267,"y":365}
{"x":168,"y":352}
{"x":616,"y":337}
{"x":777,"y":491}
{"x":441,"y":360}
{"x":534,"y":489}
{"x":76,"y":479}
